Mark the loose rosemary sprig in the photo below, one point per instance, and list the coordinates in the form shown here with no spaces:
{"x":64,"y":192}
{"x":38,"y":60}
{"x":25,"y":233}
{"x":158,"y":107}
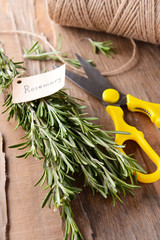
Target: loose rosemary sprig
{"x":36,"y":52}
{"x":59,"y":133}
{"x":105,"y":47}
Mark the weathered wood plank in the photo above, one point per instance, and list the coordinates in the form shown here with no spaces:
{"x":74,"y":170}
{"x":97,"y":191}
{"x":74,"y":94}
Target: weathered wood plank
{"x":138,"y":217}
{"x":26,"y":218}
{"x":3,"y":199}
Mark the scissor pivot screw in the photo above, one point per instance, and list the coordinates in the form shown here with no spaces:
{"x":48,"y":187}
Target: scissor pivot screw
{"x":111,"y":96}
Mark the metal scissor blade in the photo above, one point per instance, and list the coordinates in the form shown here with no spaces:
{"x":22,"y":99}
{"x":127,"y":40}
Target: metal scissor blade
{"x":98,"y":80}
{"x":94,"y":74}
{"x":85,"y":83}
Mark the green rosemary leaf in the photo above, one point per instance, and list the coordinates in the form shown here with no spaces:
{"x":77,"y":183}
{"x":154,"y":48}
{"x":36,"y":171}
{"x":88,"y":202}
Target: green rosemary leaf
{"x":49,"y":176}
{"x":49,"y":201}
{"x":33,"y":48}
{"x":105,"y":47}
{"x":46,"y":187}
{"x":21,"y":156}
{"x":59,"y":42}
{"x":39,"y":179}
{"x":18,"y":145}
{"x":46,"y":198}
{"x":86,"y":140}
{"x":43,"y":179}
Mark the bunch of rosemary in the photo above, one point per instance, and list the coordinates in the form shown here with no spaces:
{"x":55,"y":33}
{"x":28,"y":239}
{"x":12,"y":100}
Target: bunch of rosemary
{"x":58,"y":132}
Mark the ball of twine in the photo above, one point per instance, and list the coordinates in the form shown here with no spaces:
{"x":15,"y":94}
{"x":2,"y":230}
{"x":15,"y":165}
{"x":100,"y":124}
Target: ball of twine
{"x":138,"y":19}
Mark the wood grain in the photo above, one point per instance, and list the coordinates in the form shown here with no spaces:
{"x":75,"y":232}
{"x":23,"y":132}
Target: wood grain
{"x":26,"y":218}
{"x":3,"y":199}
{"x":139,"y":216}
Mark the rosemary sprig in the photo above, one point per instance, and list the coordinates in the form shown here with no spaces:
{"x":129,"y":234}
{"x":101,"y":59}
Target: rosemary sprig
{"x":8,"y":70}
{"x":58,"y":132}
{"x":36,"y":52}
{"x":105,"y":47}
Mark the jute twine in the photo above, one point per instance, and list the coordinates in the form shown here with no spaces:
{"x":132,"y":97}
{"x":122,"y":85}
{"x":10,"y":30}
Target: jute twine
{"x":137,"y":19}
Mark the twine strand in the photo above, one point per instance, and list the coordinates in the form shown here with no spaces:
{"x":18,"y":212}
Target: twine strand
{"x":128,"y":65}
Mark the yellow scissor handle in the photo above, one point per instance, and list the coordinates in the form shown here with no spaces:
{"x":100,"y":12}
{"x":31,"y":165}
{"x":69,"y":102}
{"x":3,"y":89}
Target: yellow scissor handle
{"x":150,"y":109}
{"x":116,"y":114}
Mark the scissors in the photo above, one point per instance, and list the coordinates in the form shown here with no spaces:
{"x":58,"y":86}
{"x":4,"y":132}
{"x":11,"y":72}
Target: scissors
{"x":100,"y":87}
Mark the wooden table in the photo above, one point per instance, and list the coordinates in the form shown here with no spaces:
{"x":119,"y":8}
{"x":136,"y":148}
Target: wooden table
{"x":97,"y":218}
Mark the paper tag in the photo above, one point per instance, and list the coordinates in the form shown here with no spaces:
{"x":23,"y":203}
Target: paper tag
{"x":38,"y":86}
